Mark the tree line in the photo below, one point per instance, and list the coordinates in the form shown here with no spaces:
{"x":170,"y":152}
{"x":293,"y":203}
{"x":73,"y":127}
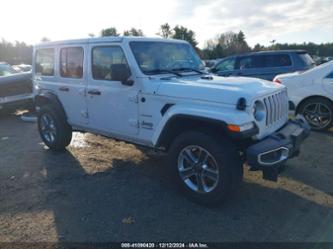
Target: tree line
{"x":222,"y":45}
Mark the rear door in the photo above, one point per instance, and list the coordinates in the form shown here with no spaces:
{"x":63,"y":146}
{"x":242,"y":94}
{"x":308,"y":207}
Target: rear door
{"x":62,"y":71}
{"x":275,"y":64}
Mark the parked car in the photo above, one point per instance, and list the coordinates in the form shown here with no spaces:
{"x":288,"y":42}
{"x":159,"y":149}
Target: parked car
{"x":23,"y":68}
{"x":153,"y":93}
{"x":265,"y":65}
{"x":311,"y":94}
{"x":15,"y":88}
{"x":210,"y":63}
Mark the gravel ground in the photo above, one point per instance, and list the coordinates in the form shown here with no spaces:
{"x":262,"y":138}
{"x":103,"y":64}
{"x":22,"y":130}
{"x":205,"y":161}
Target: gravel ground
{"x":101,"y":190}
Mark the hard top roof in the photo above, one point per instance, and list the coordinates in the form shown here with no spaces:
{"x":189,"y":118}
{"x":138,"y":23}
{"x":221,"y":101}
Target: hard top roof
{"x":105,"y":40}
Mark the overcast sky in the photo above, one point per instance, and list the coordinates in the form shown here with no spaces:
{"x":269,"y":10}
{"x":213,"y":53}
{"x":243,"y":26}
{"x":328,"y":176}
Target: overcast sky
{"x":261,"y":20}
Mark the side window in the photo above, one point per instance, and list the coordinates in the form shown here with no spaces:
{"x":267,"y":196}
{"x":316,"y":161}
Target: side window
{"x":249,"y":62}
{"x":44,"y":62}
{"x":106,"y":61}
{"x":226,"y":65}
{"x":71,"y":62}
{"x":277,"y":60}
{"x":330,"y":76}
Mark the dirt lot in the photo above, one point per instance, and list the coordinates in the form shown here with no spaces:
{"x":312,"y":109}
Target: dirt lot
{"x":102,"y":190}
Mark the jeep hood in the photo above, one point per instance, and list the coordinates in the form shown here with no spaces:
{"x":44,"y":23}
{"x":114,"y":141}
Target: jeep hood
{"x":225,"y":90}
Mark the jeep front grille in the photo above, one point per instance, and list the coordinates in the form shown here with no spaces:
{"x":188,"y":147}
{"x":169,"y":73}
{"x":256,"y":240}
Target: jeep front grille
{"x":276,"y":107}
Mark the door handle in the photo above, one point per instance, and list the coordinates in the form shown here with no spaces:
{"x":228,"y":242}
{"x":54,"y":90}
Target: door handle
{"x":64,"y":89}
{"x":94,"y":92}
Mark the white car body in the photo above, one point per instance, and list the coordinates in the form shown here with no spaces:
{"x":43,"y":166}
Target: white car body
{"x":311,"y":83}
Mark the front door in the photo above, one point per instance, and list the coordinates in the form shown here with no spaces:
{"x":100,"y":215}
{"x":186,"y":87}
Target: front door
{"x":112,"y":106}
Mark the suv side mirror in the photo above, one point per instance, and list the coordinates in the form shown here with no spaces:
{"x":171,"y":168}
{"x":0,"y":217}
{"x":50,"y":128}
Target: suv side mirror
{"x":121,"y":72}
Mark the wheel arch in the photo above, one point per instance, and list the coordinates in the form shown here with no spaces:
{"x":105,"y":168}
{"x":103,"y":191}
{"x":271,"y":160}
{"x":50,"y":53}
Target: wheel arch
{"x":49,"y":98}
{"x":182,"y":122}
{"x":311,"y":97}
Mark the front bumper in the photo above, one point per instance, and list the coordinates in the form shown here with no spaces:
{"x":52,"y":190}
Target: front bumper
{"x":270,"y":153}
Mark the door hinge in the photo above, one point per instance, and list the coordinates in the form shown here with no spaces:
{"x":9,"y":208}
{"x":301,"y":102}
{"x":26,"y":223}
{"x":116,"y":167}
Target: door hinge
{"x":84,"y":114}
{"x":134,"y":98}
{"x":134,"y":123}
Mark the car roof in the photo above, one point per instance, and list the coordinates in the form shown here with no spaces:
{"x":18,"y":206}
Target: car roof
{"x":107,"y":39}
{"x":266,"y":52}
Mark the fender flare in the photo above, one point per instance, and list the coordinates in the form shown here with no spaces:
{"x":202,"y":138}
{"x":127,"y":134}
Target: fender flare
{"x":49,"y":98}
{"x":177,"y":120}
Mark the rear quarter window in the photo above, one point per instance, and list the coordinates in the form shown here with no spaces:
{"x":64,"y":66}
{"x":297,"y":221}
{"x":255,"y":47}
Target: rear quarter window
{"x":44,"y":62}
{"x":277,"y":60}
{"x":306,"y":59}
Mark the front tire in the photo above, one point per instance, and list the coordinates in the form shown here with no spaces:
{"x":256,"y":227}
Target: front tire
{"x":53,"y":128}
{"x":318,"y":112}
{"x":206,"y":169}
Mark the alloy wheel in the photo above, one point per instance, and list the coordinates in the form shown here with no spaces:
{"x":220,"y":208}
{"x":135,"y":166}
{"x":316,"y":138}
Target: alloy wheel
{"x":198,"y":169}
{"x":318,"y":115}
{"x":48,"y":128}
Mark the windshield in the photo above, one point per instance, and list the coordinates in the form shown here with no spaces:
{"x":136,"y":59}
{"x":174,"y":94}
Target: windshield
{"x":6,"y":69}
{"x":165,"y":57}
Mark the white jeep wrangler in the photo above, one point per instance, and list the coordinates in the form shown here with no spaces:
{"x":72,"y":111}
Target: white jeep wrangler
{"x":153,"y":93}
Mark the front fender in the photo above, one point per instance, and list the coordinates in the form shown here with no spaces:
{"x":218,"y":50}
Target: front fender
{"x":225,"y":114}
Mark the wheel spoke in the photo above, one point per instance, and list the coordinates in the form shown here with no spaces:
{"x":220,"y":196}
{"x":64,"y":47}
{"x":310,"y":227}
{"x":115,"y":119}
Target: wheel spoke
{"x":47,"y":136}
{"x":45,"y":120}
{"x":198,"y":169}
{"x":307,"y":113}
{"x":200,"y":183}
{"x":317,"y":108}
{"x":189,"y":157}
{"x":211,"y":174}
{"x":203,"y":156}
{"x":319,"y":115}
{"x":325,"y":115}
{"x":187,"y":172}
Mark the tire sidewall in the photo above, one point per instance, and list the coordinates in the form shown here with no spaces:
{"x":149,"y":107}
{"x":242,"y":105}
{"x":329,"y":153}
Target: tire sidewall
{"x":225,"y":156}
{"x":63,"y":131}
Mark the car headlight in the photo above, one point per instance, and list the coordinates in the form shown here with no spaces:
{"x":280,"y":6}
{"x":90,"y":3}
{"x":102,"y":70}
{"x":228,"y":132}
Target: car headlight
{"x":259,"y":110}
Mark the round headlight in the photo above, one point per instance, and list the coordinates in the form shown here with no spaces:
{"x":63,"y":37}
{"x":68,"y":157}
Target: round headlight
{"x":259,"y":111}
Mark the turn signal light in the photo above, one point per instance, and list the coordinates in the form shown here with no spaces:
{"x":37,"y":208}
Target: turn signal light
{"x":234,"y":128}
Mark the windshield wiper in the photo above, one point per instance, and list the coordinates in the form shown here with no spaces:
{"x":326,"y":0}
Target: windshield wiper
{"x":188,"y":69}
{"x":160,"y":71}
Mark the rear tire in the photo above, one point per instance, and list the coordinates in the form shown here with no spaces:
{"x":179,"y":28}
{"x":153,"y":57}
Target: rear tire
{"x":53,"y":128}
{"x":318,"y":112}
{"x":206,"y":168}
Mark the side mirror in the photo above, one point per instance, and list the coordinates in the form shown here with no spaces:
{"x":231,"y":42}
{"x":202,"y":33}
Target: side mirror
{"x":121,"y":72}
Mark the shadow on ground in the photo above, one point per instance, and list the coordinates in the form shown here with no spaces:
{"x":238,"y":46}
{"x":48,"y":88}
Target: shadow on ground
{"x":102,"y":193}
